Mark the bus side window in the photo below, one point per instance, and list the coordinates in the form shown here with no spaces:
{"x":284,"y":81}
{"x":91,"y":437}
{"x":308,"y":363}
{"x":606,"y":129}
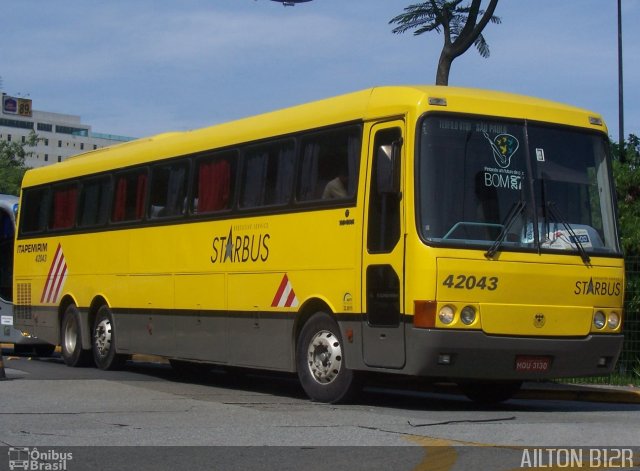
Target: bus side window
{"x":213,"y":183}
{"x":329,"y":167}
{"x":129,"y":196}
{"x":93,"y":207}
{"x":267,"y":176}
{"x":65,"y":204}
{"x":34,"y":215}
{"x":168,"y":189}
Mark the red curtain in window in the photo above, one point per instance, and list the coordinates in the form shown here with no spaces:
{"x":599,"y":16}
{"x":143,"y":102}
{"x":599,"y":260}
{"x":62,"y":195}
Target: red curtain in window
{"x":64,"y":208}
{"x":214,"y":187}
{"x":120,"y":201}
{"x":141,"y":188}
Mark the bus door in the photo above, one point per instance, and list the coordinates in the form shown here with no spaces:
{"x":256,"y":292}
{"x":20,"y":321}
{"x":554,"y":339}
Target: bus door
{"x":383,"y":258}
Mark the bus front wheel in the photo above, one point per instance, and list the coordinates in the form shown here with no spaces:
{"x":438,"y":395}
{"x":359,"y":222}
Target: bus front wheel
{"x":320,"y":361}
{"x":103,"y":342}
{"x":71,"y":340}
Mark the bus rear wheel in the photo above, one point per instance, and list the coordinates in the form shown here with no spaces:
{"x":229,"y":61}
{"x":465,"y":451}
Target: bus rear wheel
{"x":320,"y":361}
{"x":71,"y":339}
{"x":103,"y":342}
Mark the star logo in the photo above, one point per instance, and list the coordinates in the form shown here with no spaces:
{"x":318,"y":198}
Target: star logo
{"x":228,"y":251}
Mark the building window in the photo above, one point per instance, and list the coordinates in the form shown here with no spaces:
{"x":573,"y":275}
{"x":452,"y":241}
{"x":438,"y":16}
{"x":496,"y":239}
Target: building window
{"x":72,"y":131}
{"x":59,"y":158}
{"x":82,"y":146}
{"x":59,"y":143}
{"x":8,"y":137}
{"x":46,"y":142}
{"x":46,"y":157}
{"x":13,"y":123}
{"x":45,"y":127}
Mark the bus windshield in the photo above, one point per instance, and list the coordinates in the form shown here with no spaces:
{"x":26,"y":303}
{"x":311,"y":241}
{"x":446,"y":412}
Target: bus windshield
{"x":519,"y":185}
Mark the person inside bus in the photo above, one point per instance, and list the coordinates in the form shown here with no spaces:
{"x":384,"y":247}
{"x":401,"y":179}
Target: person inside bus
{"x":336,"y":188}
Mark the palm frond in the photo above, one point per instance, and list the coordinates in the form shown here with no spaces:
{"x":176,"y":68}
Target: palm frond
{"x":482,"y":46}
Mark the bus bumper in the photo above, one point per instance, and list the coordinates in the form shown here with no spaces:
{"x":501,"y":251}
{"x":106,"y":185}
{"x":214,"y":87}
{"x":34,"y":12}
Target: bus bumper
{"x":476,"y":355}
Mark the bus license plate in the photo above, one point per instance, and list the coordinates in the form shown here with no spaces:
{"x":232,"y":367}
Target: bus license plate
{"x":533,"y":364}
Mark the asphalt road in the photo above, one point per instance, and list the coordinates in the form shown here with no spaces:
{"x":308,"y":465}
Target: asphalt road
{"x":148,"y":417}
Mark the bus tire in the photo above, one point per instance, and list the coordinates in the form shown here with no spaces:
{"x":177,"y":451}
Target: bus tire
{"x":103,"y":341}
{"x":71,"y":340}
{"x":490,"y":392}
{"x":322,"y":371}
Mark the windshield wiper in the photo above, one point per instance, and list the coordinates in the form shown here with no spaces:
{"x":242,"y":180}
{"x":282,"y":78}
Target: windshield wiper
{"x":551,"y":207}
{"x":514,"y":212}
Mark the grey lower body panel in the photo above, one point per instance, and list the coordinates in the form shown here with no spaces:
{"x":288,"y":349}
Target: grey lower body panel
{"x":267,"y":340}
{"x":248,"y":339}
{"x":41,"y":323}
{"x":476,"y":355}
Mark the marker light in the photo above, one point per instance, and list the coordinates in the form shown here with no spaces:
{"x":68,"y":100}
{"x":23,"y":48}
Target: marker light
{"x":437,"y":101}
{"x":614,"y":320}
{"x":446,"y":314}
{"x":424,"y":314}
{"x":468,"y":315}
{"x":594,"y":120}
{"x":599,"y":320}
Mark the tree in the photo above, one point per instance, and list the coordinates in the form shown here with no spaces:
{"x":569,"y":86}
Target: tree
{"x":12,"y":168}
{"x":459,"y":23}
{"x":626,"y":171}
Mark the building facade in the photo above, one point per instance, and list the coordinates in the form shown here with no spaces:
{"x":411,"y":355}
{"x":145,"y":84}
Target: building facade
{"x":59,"y":135}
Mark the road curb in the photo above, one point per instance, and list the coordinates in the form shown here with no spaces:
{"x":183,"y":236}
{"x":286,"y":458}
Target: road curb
{"x":563,"y":392}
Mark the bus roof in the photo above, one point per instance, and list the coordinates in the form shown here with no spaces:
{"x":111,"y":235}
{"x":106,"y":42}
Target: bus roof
{"x":9,"y":203}
{"x":373,"y":103}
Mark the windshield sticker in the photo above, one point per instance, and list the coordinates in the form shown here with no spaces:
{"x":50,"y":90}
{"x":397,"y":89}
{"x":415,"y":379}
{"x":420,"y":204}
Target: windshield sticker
{"x":562,"y":239}
{"x":503,"y":146}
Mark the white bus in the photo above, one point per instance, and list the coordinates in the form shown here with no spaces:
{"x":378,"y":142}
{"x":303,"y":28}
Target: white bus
{"x":9,"y":334}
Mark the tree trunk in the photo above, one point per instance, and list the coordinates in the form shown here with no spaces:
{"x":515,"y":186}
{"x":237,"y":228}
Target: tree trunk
{"x":444,"y":67}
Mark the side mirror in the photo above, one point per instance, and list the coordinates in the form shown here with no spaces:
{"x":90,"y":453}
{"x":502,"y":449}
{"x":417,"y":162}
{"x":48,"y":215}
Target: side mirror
{"x":388,"y":167}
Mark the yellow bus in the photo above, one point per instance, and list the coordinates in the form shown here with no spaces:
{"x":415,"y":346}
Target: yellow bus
{"x":435,"y":232}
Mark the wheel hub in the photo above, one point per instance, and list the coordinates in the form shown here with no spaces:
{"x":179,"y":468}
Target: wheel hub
{"x":103,"y":337}
{"x":324,"y":357}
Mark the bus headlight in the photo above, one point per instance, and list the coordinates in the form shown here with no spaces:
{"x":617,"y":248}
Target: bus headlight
{"x":599,"y":320}
{"x":446,"y":314}
{"x":613,"y":321}
{"x":468,"y":315}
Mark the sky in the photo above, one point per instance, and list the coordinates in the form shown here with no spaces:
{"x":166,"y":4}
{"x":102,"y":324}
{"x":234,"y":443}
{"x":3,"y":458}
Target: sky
{"x":142,"y":67}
